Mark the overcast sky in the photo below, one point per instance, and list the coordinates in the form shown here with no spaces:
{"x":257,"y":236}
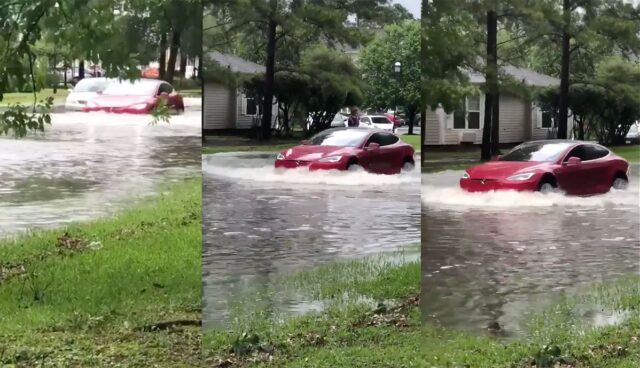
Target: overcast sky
{"x":412,"y":5}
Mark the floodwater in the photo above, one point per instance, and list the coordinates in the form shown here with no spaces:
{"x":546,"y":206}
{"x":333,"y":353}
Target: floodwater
{"x":259,"y":224}
{"x":500,"y":257}
{"x":87,"y":165}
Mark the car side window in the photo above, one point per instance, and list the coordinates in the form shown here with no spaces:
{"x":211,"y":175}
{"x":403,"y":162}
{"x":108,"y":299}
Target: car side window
{"x":388,"y":139}
{"x":375,"y":138}
{"x":578,"y":152}
{"x":593,"y":152}
{"x":165,"y":88}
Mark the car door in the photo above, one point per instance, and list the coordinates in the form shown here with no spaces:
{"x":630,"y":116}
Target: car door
{"x":170,"y":95}
{"x":371,"y":159}
{"x":390,"y":154}
{"x":599,"y":169}
{"x":572,"y":178}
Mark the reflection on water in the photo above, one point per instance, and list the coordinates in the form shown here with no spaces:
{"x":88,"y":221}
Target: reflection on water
{"x":497,"y":257}
{"x":85,"y":165}
{"x":259,"y":223}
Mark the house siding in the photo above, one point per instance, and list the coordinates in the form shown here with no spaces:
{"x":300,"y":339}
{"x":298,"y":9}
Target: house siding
{"x":218,"y":106}
{"x":515,"y":123}
{"x":243,"y":121}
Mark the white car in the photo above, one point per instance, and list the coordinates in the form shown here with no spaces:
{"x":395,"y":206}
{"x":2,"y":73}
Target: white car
{"x":83,"y":92}
{"x":378,"y":122}
{"x":338,"y":121}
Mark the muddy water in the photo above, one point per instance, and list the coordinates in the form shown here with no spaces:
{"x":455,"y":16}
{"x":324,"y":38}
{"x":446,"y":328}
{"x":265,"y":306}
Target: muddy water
{"x":259,"y":223}
{"x":86,"y":165}
{"x":499,"y":257}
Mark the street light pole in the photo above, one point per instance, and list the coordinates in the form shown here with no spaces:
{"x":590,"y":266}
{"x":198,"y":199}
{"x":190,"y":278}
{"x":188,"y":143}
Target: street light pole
{"x":397,"y":68}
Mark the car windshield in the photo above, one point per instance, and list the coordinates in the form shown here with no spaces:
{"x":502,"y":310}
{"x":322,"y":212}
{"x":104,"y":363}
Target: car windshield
{"x":538,"y":152}
{"x":91,"y":85}
{"x":380,"y":120}
{"x":338,"y":118}
{"x":128,"y":88}
{"x":341,"y":138}
{"x":633,"y":129}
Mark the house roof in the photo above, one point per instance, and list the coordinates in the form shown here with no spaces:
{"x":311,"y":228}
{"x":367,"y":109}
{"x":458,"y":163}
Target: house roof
{"x":236,"y":64}
{"x":528,"y":77}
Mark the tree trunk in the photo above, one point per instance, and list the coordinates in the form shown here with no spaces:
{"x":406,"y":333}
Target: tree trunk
{"x":563,"y":100}
{"x":183,"y":65}
{"x":492,"y":63}
{"x":411,"y":115}
{"x":495,"y":124}
{"x":162,"y":62}
{"x":269,"y":77}
{"x":423,"y":129}
{"x":489,"y":130}
{"x":81,"y":70}
{"x":173,"y":56}
{"x":485,"y":154}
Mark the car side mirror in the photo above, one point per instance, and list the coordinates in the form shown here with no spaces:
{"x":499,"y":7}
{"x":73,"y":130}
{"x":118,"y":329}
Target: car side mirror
{"x":373,"y":146}
{"x":573,"y":161}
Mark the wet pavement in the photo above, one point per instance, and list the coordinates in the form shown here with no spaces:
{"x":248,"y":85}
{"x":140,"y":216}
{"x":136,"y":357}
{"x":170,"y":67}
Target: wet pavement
{"x":500,"y":257}
{"x":87,"y":165}
{"x":260,"y":224}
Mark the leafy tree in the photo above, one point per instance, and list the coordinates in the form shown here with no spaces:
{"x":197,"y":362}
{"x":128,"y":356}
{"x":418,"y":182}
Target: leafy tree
{"x":398,"y":43}
{"x":274,"y":22}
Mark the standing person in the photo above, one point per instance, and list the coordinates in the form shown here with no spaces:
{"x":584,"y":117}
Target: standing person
{"x":354,"y":118}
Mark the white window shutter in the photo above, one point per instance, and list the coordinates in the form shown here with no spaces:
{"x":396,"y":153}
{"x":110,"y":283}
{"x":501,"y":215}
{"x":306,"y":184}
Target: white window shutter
{"x":244,"y":105}
{"x":482,"y":109}
{"x":449,"y":120}
{"x":538,"y":117}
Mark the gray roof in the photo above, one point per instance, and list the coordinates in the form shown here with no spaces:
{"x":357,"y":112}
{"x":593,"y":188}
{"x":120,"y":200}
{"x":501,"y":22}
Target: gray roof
{"x":236,"y":64}
{"x":528,"y":77}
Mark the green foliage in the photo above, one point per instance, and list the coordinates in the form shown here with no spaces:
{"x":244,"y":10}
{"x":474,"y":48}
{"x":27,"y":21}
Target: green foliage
{"x":605,"y":106}
{"x":398,"y":42}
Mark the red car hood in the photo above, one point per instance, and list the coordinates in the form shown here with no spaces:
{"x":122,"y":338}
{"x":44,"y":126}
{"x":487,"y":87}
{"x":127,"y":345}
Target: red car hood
{"x":119,"y":101}
{"x":503,"y":169}
{"x":313,"y":153}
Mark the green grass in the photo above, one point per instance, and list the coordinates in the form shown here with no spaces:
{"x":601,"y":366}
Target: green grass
{"x":27,"y":98}
{"x":221,"y":144}
{"x":191,"y":92}
{"x":84,"y":299}
{"x":631,"y":152}
{"x":385,"y":330}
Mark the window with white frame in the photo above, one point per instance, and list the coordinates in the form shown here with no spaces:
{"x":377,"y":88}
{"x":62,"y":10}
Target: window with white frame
{"x":467,"y":116}
{"x":249,"y":106}
{"x":546,"y":120}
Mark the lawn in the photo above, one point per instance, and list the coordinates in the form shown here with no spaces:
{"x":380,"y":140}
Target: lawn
{"x":630,"y":152}
{"x":27,"y":98}
{"x":384,"y":329}
{"x":122,"y":291}
{"x":218,"y":144}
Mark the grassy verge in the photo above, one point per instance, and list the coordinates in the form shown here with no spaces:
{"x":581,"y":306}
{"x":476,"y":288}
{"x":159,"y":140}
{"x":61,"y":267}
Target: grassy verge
{"x":238,"y":144}
{"x":631,"y":152}
{"x":122,"y":291}
{"x":191,"y":92}
{"x":385,"y":329}
{"x":27,"y":98}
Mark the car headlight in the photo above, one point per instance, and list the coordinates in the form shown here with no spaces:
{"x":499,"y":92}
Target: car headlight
{"x":465,"y":175}
{"x":331,"y":159}
{"x":521,"y":177}
{"x":280,"y":156}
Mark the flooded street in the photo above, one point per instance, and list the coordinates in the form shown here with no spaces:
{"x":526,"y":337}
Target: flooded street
{"x":259,"y":224}
{"x":499,"y":257}
{"x":87,"y":165}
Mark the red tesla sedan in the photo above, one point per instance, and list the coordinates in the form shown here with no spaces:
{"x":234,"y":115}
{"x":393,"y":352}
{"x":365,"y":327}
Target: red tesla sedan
{"x":374,"y":150}
{"x":137,"y":97}
{"x":574,"y":167}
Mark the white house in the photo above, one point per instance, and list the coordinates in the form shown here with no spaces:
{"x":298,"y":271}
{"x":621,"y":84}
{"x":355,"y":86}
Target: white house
{"x":227,"y":107}
{"x":520,"y":119}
